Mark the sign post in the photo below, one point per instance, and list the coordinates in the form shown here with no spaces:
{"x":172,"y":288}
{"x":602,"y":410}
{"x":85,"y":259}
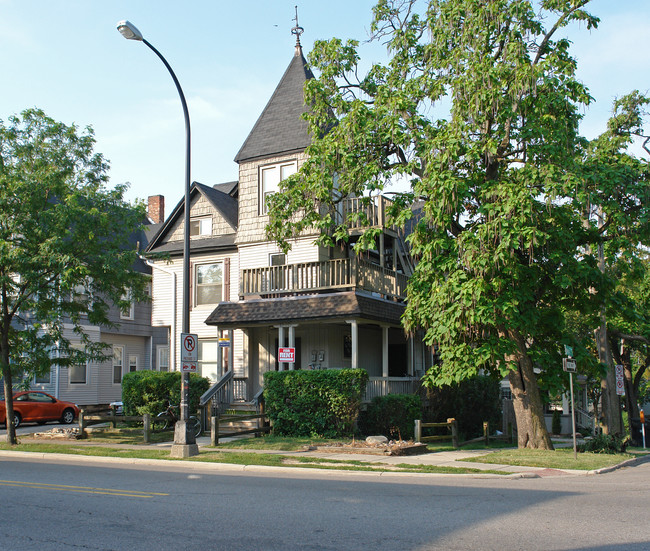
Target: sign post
{"x":642,"y":414}
{"x":569,"y":365}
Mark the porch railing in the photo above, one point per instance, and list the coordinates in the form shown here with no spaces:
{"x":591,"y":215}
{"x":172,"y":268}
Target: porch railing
{"x":364,"y":212}
{"x":380,"y":386}
{"x":334,"y":275}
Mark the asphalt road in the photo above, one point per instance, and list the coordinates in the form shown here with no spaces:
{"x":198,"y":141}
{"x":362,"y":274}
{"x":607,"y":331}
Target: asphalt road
{"x":49,"y":505}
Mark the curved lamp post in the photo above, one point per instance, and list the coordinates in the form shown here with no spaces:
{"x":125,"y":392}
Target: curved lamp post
{"x":184,"y":440}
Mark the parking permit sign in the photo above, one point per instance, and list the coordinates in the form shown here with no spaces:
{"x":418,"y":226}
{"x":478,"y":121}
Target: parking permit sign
{"x":189,"y":348}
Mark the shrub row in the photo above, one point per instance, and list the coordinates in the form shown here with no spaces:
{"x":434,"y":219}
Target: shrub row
{"x":392,"y":416}
{"x":314,"y":403}
{"x":149,"y":391}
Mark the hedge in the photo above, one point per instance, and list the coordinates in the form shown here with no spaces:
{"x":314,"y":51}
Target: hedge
{"x":314,"y":403}
{"x":149,"y":391}
{"x":470,"y":402}
{"x":392,"y":416}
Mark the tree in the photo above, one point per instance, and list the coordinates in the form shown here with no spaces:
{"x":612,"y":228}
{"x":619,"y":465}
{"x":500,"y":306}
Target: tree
{"x":64,"y":252}
{"x":479,"y":107}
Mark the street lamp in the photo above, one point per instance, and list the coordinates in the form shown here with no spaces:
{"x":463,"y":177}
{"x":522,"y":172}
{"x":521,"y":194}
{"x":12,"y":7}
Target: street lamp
{"x":184,"y":439}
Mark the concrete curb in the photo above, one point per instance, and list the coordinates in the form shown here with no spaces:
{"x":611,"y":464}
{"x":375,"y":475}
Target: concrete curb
{"x":628,"y":463}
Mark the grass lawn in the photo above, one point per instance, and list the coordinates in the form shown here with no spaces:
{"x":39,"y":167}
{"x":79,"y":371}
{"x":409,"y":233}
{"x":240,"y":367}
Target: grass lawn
{"x":557,"y":459}
{"x":240,"y":458}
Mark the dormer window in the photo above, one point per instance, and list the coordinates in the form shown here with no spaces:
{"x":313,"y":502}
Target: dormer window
{"x":201,"y":226}
{"x":270,"y":177}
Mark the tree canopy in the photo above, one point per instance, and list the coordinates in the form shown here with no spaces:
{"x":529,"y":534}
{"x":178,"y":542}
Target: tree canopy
{"x":479,"y":108}
{"x":65,"y":255}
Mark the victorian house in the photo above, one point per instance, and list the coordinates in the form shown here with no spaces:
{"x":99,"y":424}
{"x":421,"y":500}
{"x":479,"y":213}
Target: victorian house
{"x":248,"y":299}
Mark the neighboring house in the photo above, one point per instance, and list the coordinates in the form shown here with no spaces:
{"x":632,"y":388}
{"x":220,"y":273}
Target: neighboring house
{"x":133,"y":343}
{"x":248,"y":298}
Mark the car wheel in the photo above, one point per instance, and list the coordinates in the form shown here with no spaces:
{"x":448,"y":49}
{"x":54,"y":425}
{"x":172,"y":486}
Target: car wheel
{"x":67,"y":417}
{"x":16,"y":420}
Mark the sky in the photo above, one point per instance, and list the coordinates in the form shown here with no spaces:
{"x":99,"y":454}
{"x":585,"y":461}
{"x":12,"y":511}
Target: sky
{"x":67,"y":58}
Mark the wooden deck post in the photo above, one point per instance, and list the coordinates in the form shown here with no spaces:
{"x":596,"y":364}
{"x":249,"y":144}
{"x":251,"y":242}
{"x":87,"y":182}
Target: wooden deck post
{"x":454,"y":432}
{"x":146,"y":427}
{"x":214,"y":430}
{"x":418,"y":430}
{"x":486,"y":432}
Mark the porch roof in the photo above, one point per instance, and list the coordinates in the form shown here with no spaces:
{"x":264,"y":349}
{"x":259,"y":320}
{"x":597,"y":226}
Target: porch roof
{"x":347,"y":305}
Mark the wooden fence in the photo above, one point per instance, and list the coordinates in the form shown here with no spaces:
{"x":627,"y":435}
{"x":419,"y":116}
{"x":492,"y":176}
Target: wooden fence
{"x":451,"y":425}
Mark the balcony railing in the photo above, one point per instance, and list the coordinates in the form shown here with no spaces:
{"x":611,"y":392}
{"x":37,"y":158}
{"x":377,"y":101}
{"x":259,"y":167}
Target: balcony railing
{"x":363,"y":212}
{"x":381,"y":386}
{"x":330,"y":275}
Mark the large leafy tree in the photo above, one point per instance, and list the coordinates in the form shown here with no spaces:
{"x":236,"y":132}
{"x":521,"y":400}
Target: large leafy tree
{"x":479,"y":107}
{"x":64,"y":252}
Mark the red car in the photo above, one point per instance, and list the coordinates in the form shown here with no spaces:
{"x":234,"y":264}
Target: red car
{"x":32,"y":405}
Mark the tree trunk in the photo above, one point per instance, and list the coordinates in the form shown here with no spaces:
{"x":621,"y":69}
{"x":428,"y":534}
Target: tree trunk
{"x":9,"y":403}
{"x":527,"y":403}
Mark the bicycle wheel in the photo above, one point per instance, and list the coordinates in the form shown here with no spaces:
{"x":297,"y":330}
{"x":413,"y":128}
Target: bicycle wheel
{"x":161,"y":421}
{"x":195,"y":424}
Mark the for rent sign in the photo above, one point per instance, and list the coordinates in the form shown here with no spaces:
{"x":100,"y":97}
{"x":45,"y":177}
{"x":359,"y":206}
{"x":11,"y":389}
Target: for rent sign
{"x":287,"y":354}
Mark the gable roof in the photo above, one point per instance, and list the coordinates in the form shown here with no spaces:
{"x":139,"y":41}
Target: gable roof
{"x":280,"y":128}
{"x":223,"y":197}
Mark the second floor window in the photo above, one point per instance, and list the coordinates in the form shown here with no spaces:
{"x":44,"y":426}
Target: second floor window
{"x":201,"y":226}
{"x":270,"y":178}
{"x":209,"y":284}
{"x":128,"y":313}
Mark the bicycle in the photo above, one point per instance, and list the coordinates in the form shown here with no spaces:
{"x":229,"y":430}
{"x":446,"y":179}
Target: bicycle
{"x":167,"y":419}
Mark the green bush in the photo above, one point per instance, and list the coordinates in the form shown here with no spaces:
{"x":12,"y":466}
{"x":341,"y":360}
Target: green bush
{"x":470,"y":402}
{"x":604,"y":443}
{"x":392,"y":416}
{"x":556,"y":422}
{"x":149,"y":391}
{"x":314,"y":403}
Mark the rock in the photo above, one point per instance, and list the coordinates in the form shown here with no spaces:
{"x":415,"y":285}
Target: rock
{"x":376,"y":440}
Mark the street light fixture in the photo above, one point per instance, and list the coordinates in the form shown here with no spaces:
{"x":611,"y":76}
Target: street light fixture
{"x":184,"y":439}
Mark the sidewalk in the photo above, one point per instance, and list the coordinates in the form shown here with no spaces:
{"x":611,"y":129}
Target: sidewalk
{"x":438,"y":459}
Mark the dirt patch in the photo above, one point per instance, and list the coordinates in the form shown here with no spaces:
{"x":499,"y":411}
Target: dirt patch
{"x":389,"y":448}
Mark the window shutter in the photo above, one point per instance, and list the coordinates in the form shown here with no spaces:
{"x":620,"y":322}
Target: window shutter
{"x":191,"y":297}
{"x":226,"y":279}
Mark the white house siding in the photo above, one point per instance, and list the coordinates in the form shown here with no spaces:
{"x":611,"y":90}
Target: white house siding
{"x":258,"y":254}
{"x":107,"y":391}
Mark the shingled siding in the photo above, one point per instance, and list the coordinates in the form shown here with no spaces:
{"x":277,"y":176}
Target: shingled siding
{"x":200,"y":206}
{"x":252,"y":225}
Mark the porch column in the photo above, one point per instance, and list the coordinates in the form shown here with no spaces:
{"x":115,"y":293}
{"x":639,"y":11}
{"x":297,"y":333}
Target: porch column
{"x":292,"y":343}
{"x":382,"y":250}
{"x":384,"y":357}
{"x":219,"y":354}
{"x":280,"y":345}
{"x":354,"y":332}
{"x":411,"y":359}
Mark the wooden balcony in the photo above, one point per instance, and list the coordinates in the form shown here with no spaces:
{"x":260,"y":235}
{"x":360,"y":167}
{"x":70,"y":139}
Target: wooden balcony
{"x":362,"y":213}
{"x":345,"y":274}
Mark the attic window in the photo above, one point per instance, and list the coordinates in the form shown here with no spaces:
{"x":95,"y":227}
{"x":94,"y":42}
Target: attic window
{"x":201,"y":226}
{"x":270,"y":178}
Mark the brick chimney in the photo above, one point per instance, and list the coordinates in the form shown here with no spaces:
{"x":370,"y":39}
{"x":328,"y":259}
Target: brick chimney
{"x":156,"y":208}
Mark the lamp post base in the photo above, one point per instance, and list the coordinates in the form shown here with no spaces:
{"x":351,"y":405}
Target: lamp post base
{"x":184,"y":441}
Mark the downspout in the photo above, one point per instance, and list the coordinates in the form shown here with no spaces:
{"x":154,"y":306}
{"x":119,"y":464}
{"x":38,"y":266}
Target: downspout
{"x":172,"y":344}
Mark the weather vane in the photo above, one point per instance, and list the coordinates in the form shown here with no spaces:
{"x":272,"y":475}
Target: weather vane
{"x":297,"y":30}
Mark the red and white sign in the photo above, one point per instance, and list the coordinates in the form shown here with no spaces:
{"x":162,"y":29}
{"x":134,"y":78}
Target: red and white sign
{"x":188,"y":367}
{"x":189,"y":348}
{"x":287,"y":354}
{"x":620,"y":385}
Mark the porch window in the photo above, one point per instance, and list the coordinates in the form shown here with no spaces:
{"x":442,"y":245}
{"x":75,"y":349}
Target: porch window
{"x":77,"y":374}
{"x":270,"y":177}
{"x":163,"y":358}
{"x":118,"y":363}
{"x":208,"y":364}
{"x":209,"y":284}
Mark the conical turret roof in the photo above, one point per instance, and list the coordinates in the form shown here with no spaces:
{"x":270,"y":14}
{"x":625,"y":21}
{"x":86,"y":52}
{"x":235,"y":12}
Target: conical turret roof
{"x":280,"y":128}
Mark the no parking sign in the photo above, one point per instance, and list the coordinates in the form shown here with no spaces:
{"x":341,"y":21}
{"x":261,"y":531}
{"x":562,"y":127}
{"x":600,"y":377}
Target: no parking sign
{"x":189,"y":352}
